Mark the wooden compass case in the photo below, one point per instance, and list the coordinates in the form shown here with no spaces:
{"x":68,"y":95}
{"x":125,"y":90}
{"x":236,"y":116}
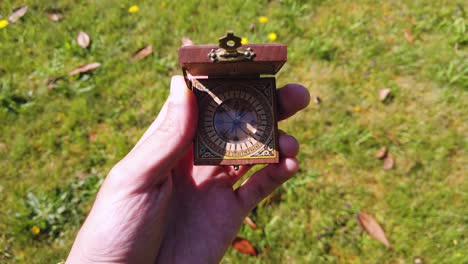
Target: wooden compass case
{"x":236,"y":93}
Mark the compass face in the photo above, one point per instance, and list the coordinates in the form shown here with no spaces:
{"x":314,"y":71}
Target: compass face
{"x":236,"y":122}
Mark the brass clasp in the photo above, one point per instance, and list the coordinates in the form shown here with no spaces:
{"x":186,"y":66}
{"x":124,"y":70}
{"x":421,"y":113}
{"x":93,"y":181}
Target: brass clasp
{"x":230,"y":49}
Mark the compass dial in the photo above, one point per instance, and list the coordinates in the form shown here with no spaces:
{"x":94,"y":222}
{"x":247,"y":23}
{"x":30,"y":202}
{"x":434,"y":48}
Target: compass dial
{"x":235,"y":121}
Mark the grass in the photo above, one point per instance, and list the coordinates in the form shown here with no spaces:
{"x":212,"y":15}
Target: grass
{"x":56,"y":145}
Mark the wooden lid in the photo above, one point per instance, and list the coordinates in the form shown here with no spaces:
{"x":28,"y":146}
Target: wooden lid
{"x":268,"y":59}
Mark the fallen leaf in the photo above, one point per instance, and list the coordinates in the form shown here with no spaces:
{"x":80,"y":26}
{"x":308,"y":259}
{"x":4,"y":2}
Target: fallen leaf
{"x":384,"y":93}
{"x":244,"y":246}
{"x":55,"y":16}
{"x":372,"y":227}
{"x":389,"y":163}
{"x":250,"y":223}
{"x":412,"y":21}
{"x":381,"y":153}
{"x":53,"y":82}
{"x":18,"y":13}
{"x":92,"y":137}
{"x":82,"y":175}
{"x":408,"y":35}
{"x":186,"y":41}
{"x":83,"y":39}
{"x":85,"y":68}
{"x":317,"y":100}
{"x":142,"y":53}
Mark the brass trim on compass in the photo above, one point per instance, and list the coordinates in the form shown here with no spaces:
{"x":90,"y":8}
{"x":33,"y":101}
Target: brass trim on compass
{"x":230,"y":49}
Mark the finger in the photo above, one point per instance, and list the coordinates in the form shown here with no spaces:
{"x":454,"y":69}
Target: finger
{"x":291,"y":99}
{"x":264,"y":182}
{"x":167,"y":139}
{"x":289,"y":147}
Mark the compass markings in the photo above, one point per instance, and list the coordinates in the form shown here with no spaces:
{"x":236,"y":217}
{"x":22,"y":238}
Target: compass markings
{"x":235,"y":120}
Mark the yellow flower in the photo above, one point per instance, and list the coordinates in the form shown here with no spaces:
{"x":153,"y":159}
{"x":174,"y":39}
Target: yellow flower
{"x":3,"y":23}
{"x":133,"y":9}
{"x":163,"y":4}
{"x":35,"y":230}
{"x":272,"y":36}
{"x":262,"y":19}
{"x":455,"y":242}
{"x":458,"y":254}
{"x":244,"y":40}
{"x":357,"y":109}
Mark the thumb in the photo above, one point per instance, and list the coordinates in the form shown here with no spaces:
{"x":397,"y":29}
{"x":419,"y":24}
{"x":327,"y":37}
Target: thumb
{"x":165,"y":141}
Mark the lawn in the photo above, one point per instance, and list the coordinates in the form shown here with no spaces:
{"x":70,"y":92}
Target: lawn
{"x":61,"y":134}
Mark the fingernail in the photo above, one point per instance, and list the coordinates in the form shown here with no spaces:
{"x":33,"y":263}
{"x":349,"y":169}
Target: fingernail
{"x":178,"y":90}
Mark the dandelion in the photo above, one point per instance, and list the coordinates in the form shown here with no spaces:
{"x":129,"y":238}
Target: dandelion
{"x":3,"y":23}
{"x":357,"y":109}
{"x":133,"y":9}
{"x":272,"y":36}
{"x":244,"y":40}
{"x":35,"y":230}
{"x":458,"y":254}
{"x":455,"y":242}
{"x":262,"y":19}
{"x":163,"y":4}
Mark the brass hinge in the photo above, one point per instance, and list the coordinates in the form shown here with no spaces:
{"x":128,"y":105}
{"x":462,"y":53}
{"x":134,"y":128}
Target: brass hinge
{"x":230,"y":49}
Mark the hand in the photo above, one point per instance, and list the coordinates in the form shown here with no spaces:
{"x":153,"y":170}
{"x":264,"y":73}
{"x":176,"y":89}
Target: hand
{"x":155,"y":206}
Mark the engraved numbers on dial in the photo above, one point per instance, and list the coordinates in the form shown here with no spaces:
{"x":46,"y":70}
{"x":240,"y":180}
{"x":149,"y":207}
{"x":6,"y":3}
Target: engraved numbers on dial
{"x":237,"y":121}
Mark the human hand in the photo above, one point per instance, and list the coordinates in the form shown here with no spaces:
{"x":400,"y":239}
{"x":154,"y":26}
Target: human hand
{"x":156,"y":206}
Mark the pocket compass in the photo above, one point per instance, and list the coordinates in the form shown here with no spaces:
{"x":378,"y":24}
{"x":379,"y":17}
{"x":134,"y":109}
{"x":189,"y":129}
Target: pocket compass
{"x":236,"y":94}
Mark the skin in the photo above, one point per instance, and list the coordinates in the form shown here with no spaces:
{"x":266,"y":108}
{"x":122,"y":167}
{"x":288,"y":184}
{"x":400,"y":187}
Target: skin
{"x":155,"y":206}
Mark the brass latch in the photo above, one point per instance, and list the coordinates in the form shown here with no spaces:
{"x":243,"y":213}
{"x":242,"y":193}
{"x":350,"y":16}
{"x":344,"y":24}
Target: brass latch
{"x":230,"y":49}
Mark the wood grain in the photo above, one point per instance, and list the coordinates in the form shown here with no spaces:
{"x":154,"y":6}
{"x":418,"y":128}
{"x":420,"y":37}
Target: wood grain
{"x":268,"y":60}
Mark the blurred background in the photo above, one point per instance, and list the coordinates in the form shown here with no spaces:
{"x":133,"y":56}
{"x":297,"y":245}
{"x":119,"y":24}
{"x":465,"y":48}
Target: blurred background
{"x":383,"y":175}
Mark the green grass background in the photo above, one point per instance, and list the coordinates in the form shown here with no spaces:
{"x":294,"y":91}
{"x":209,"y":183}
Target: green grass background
{"x":56,"y":145}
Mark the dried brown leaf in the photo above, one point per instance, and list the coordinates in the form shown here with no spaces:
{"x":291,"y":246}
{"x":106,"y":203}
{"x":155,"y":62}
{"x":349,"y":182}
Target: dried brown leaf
{"x":384,"y":94}
{"x":244,"y":246}
{"x":186,"y":41}
{"x":17,"y":14}
{"x":372,"y":227}
{"x":412,"y":21}
{"x":381,"y":153}
{"x":53,"y":82}
{"x":85,"y":68}
{"x":92,"y":137}
{"x":408,"y":35}
{"x":55,"y":16}
{"x":83,"y":39}
{"x":250,"y":223}
{"x":389,"y":162}
{"x":142,"y":53}
{"x":82,"y":175}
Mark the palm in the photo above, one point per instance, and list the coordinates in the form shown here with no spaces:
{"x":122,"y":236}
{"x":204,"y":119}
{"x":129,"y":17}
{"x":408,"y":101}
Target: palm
{"x":204,"y":200}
